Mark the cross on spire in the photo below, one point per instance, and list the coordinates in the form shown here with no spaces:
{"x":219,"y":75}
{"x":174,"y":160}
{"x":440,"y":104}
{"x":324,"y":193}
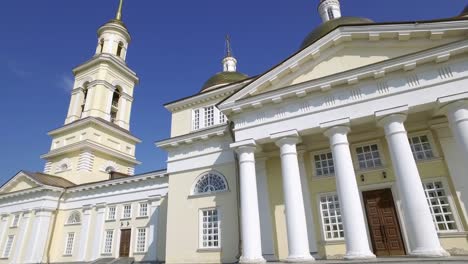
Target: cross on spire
{"x":228,"y":46}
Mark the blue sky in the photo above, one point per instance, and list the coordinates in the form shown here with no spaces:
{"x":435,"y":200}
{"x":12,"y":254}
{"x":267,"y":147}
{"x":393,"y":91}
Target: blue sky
{"x":177,"y":45}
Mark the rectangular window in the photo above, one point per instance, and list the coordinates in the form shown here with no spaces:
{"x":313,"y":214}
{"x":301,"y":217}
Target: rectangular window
{"x":209,"y":116}
{"x":109,"y":237}
{"x":210,"y":229}
{"x":222,"y":118}
{"x":324,"y":164}
{"x":15,"y":221}
{"x":8,"y":246}
{"x":127,"y":211}
{"x":69,"y":244}
{"x":440,"y":207}
{"x":196,"y":119}
{"x":141,"y":240}
{"x":368,"y":156}
{"x":331,"y":217}
{"x":111,"y":213}
{"x":143,"y":209}
{"x":421,"y":147}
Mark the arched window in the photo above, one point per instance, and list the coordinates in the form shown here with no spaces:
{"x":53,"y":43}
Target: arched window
{"x":110,"y":169}
{"x":74,"y":218}
{"x":120,"y":49}
{"x":330,"y":13}
{"x":85,"y":96}
{"x":115,"y":104}
{"x":101,"y":45}
{"x":209,"y":183}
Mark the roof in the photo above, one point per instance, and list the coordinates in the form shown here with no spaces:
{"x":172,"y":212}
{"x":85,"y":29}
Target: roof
{"x":50,"y":180}
{"x":223,"y":78}
{"x":331,"y":25}
{"x":464,"y":12}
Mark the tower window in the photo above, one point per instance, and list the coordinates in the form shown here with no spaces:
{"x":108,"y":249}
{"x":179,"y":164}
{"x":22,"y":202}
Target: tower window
{"x":119,"y":49}
{"x":85,"y":96}
{"x":115,"y":104}
{"x":101,"y":45}
{"x":330,"y":13}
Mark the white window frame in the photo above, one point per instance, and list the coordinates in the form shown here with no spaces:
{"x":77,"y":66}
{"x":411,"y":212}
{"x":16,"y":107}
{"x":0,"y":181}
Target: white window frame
{"x":123,"y":211}
{"x":453,"y":207}
{"x":104,"y":246}
{"x":200,"y":112}
{"x":137,"y":240}
{"x":8,"y":246}
{"x":314,"y":167}
{"x":108,"y":218}
{"x":200,"y":229}
{"x":193,"y":191}
{"x":324,"y":232}
{"x":70,"y":219}
{"x":368,"y":143}
{"x":430,"y":137}
{"x":140,"y":209}
{"x":15,"y":221}
{"x":68,"y":251}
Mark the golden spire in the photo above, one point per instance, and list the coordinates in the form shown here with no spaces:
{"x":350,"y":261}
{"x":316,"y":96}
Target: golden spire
{"x":118,"y":16}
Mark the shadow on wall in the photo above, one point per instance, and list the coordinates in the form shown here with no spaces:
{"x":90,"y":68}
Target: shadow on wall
{"x":159,"y":242}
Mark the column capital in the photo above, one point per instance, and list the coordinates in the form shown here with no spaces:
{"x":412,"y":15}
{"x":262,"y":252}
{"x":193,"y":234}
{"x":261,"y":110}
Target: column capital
{"x":399,"y":118}
{"x":343,"y":130}
{"x":398,"y":114}
{"x":286,"y":137}
{"x":244,"y":146}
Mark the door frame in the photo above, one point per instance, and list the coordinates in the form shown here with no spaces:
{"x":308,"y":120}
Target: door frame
{"x":399,"y":212}
{"x":130,"y":253}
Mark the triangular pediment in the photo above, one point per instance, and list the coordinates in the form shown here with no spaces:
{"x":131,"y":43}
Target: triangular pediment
{"x":349,"y":48}
{"x":20,"y":182}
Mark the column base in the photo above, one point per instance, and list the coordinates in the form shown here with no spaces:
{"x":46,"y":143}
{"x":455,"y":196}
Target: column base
{"x":244,"y":260}
{"x":299,"y":259}
{"x":422,"y":253}
{"x":359,"y":255}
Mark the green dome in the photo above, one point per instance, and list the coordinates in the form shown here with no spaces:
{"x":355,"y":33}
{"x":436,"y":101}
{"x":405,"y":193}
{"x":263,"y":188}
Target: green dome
{"x":330,"y":25}
{"x":223,"y":78}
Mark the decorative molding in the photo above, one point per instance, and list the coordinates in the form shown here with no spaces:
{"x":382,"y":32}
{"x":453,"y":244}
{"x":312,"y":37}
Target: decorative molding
{"x":383,"y":87}
{"x":445,"y":72}
{"x":86,"y":161}
{"x":131,"y":171}
{"x":48,"y":167}
{"x":63,"y":166}
{"x":413,"y":80}
{"x":110,"y":166}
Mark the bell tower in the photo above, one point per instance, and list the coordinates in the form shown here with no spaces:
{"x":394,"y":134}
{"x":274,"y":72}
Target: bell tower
{"x":95,"y":139}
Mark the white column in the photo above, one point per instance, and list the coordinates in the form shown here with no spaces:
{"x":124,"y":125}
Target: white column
{"x":85,"y":233}
{"x":307,"y":204}
{"x":298,"y":242}
{"x":352,"y":214}
{"x":418,"y":219}
{"x":39,"y":236}
{"x":3,"y":227}
{"x":153,"y":229}
{"x":98,"y":231}
{"x":250,"y":219}
{"x":457,"y":113}
{"x":266,"y":226}
{"x":20,"y":243}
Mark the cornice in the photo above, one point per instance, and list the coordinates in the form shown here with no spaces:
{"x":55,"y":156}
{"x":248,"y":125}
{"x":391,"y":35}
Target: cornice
{"x":87,"y":121}
{"x":188,"y":139}
{"x":352,"y":77}
{"x":87,"y":144}
{"x":108,"y":58}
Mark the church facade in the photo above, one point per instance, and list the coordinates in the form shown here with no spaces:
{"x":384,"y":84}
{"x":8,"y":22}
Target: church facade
{"x":352,"y":148}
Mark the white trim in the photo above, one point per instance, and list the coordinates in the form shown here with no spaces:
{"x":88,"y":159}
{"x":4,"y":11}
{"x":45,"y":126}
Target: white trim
{"x":312,"y":155}
{"x":199,"y":177}
{"x":200,"y":229}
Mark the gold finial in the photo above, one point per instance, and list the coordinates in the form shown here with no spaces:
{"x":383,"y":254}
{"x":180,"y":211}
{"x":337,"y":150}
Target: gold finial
{"x":228,"y":46}
{"x":119,"y":11}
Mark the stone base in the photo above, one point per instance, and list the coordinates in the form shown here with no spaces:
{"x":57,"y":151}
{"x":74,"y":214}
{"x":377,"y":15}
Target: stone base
{"x":359,"y":255}
{"x":244,"y":260}
{"x":422,"y":253}
{"x":299,"y":259}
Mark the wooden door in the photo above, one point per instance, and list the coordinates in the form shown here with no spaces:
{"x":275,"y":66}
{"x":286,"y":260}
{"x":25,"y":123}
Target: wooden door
{"x":383,"y":223}
{"x":125,"y":236}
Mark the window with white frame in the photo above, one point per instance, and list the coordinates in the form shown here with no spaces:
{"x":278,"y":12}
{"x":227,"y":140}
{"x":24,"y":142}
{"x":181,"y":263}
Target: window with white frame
{"x":109,"y":238}
{"x":74,"y":218}
{"x":141,"y":240}
{"x":324,"y":164}
{"x":143,"y":210}
{"x":8,"y":246}
{"x":208,"y":116}
{"x":111,"y":212}
{"x":368,"y":156}
{"x":441,"y":211}
{"x":69,"y":244}
{"x":15,"y":221}
{"x":210,"y":230}
{"x":331,"y":217}
{"x":127,"y":211}
{"x":209,"y":183}
{"x":421,"y":147}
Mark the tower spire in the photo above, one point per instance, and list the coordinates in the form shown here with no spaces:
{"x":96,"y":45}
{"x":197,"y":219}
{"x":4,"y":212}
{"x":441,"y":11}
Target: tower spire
{"x":228,"y":46}
{"x":329,"y":10}
{"x":229,"y":62}
{"x":118,"y":16}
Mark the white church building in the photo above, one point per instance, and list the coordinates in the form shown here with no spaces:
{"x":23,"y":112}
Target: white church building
{"x":353,"y":148}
